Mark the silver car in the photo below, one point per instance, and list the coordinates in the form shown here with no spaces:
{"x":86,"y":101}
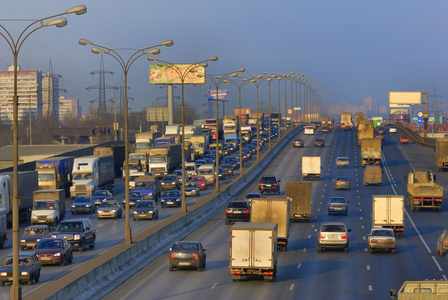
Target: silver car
{"x":333,"y":235}
{"x":191,"y":189}
{"x":381,"y":239}
{"x":109,"y":209}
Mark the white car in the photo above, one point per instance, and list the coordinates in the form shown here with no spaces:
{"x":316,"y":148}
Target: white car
{"x":393,"y":129}
{"x":381,"y":239}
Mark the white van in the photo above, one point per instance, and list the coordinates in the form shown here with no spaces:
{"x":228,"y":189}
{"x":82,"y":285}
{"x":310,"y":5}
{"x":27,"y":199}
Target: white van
{"x":209,"y":172}
{"x":191,"y":169}
{"x":309,"y":129}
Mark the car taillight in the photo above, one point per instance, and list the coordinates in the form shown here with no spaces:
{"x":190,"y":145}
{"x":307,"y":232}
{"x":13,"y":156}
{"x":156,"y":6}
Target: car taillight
{"x":444,"y":243}
{"x":438,"y":199}
{"x":196,"y":256}
{"x":344,"y":237}
{"x":246,"y":212}
{"x":228,"y":211}
{"x":337,"y":182}
{"x":172,"y":255}
{"x":373,"y":241}
{"x":276,"y":184}
{"x":347,"y":182}
{"x":321,"y":236}
{"x":261,"y":184}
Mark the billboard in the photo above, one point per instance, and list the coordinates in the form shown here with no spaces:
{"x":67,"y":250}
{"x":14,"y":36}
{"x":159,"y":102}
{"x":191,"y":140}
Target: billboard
{"x":222,"y":95}
{"x":157,"y":114}
{"x":172,"y":74}
{"x":411,"y":98}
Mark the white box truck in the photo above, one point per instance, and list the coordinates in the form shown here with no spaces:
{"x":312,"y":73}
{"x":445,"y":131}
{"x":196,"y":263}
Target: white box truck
{"x":311,"y":167}
{"x":253,"y":250}
{"x":388,"y":212}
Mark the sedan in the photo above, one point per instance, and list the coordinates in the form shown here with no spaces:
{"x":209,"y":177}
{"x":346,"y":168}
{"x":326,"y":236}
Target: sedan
{"x":298,"y":143}
{"x":319,"y":143}
{"x":342,"y":183}
{"x":53,"y":251}
{"x":249,"y":197}
{"x":171,"y":198}
{"x":134,"y":196}
{"x":32,"y":235}
{"x":381,"y":239}
{"x":102,"y":195}
{"x":221,"y":175}
{"x":338,"y":205}
{"x":201,"y":181}
{"x":228,"y":169}
{"x":187,"y":254}
{"x":109,"y":209}
{"x":191,"y":189}
{"x":404,"y":139}
{"x":145,"y":209}
{"x":29,"y":268}
{"x":342,"y":162}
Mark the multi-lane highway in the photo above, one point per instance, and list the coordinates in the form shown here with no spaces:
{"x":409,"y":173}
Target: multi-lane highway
{"x":303,"y":273}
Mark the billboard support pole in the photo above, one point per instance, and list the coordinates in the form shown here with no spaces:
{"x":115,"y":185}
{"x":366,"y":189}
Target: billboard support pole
{"x":170,"y":104}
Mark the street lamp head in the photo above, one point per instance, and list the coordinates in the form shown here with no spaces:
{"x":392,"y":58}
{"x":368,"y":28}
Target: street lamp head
{"x":167,"y":43}
{"x":241,"y":70}
{"x":78,"y":10}
{"x":98,"y":51}
{"x":213,"y":58}
{"x":204,"y":65}
{"x":153,"y":51}
{"x":84,"y":42}
{"x":61,"y":22}
{"x":150,"y":58}
{"x":161,"y":65}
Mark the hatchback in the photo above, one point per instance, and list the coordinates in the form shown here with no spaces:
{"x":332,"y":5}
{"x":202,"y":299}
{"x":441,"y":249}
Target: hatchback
{"x":52,"y":251}
{"x":342,"y":183}
{"x":187,"y":254}
{"x":333,"y":235}
{"x":404,"y":139}
{"x":392,"y":129}
{"x":338,"y":205}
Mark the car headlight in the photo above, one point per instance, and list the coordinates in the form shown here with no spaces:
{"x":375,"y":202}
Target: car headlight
{"x":87,"y":205}
{"x":22,"y":241}
{"x":53,"y":235}
{"x":4,"y":274}
{"x":114,"y":210}
{"x":73,"y":206}
{"x":77,"y":237}
{"x":57,"y":254}
{"x":24,"y":273}
{"x":134,"y":212}
{"x":178,"y":199}
{"x":174,"y":182}
{"x":150,"y":194}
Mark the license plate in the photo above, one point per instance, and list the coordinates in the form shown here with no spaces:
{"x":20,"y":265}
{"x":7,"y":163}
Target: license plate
{"x":237,"y":212}
{"x":45,"y":258}
{"x":170,"y":202}
{"x":184,"y":264}
{"x":268,"y":185}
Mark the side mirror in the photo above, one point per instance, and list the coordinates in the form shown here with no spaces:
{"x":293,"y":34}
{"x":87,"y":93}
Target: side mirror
{"x":349,"y":230}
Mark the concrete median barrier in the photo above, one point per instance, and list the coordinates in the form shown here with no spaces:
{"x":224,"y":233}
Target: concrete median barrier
{"x":100,"y":275}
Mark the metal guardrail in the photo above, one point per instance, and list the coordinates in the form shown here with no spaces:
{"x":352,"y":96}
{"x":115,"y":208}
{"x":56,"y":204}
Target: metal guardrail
{"x":415,"y":137}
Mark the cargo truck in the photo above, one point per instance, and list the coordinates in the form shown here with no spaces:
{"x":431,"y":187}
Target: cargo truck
{"x":253,"y":251}
{"x":299,"y":195}
{"x":165,"y":140}
{"x":173,"y":129}
{"x":246,"y":132}
{"x":388,"y":212}
{"x":200,"y":144}
{"x":118,"y":153}
{"x":424,"y":289}
{"x":27,"y":183}
{"x":423,"y":191}
{"x":145,"y":140}
{"x":327,"y":122}
{"x":164,"y":159}
{"x":359,"y":116}
{"x":134,"y":165}
{"x":231,"y":138}
{"x":371,"y":151}
{"x":54,"y":172}
{"x":142,"y":157}
{"x":442,"y":154}
{"x":230,"y":125}
{"x":346,"y":121}
{"x":365,"y":131}
{"x":48,"y":207}
{"x":272,"y":210}
{"x":91,"y":173}
{"x":311,"y":167}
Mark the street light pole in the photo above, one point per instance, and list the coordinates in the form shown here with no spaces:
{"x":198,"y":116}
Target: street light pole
{"x":217,"y":82}
{"x":183,"y":73}
{"x":240,"y":86}
{"x":15,"y":46}
{"x":125,"y":65}
{"x":259,"y":80}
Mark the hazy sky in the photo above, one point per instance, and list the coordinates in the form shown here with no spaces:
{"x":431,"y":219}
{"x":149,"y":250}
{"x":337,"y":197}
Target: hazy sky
{"x":352,"y":48}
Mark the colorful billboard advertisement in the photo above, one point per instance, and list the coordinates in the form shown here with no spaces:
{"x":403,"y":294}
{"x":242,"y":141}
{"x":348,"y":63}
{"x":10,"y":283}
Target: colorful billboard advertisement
{"x":411,"y":98}
{"x":222,"y":95}
{"x":173,"y":74}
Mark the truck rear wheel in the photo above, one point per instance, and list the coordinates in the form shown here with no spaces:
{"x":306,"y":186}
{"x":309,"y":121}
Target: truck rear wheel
{"x":268,"y":278}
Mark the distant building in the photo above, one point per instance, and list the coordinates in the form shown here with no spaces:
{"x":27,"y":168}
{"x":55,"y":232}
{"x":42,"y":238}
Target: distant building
{"x":369,"y":104}
{"x":50,"y":95}
{"x":29,"y":92}
{"x":69,"y":108}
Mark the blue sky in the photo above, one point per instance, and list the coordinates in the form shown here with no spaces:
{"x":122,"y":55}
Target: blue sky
{"x":352,"y":48}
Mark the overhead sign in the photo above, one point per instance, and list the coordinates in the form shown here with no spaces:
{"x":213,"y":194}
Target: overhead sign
{"x":173,"y":74}
{"x":414,"y":119}
{"x":411,"y":98}
{"x":289,"y":111}
{"x":399,"y":106}
{"x":420,"y":121}
{"x":432,"y":119}
{"x":221,"y":95}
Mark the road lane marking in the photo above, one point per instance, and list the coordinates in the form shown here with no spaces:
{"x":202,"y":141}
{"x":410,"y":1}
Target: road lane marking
{"x":368,"y":268}
{"x":214,"y":285}
{"x":304,"y":249}
{"x":370,"y":288}
{"x":291,"y":287}
{"x":299,"y":266}
{"x":309,"y":236}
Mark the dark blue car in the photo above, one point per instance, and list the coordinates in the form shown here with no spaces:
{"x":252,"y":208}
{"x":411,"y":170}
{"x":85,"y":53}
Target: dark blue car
{"x":171,"y":198}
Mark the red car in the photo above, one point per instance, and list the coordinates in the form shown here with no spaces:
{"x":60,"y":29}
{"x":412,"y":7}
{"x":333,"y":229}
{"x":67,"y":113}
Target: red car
{"x":404,"y":139}
{"x":201,"y":181}
{"x":54,"y":251}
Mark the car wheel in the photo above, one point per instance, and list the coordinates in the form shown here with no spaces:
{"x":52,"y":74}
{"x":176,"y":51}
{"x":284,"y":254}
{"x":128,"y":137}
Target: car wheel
{"x":346,"y":249}
{"x":99,"y":218}
{"x":442,"y":253}
{"x":81,"y":247}
{"x":37,"y":278}
{"x":134,"y":219}
{"x":319,"y":249}
{"x":370,"y":249}
{"x":171,"y":269}
{"x":30,"y":282}
{"x":227,"y":221}
{"x":70,"y":260}
{"x":2,"y":283}
{"x":392,"y":250}
{"x":92,"y":245}
{"x":63,"y":260}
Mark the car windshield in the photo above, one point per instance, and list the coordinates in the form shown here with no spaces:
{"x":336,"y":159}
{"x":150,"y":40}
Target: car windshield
{"x":107,"y":204}
{"x":337,"y":200}
{"x":189,"y":168}
{"x":69,"y":226}
{"x":100,"y":193}
{"x":169,"y":179}
{"x":171,"y":194}
{"x":253,"y":196}
{"x":185,"y":247}
{"x":50,"y":244}
{"x":268,"y":179}
{"x":205,"y":171}
{"x":135,"y":195}
{"x":81,"y":199}
{"x":144,"y":205}
{"x":237,"y":205}
{"x":342,"y":159}
{"x":196,"y":179}
{"x":43,"y":205}
{"x":333,"y":228}
{"x":190,"y":185}
{"x":382,"y":233}
{"x":34,"y":231}
{"x":23,"y":260}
